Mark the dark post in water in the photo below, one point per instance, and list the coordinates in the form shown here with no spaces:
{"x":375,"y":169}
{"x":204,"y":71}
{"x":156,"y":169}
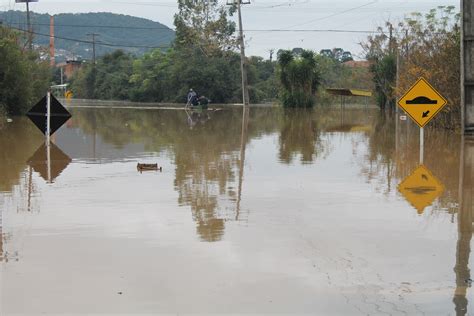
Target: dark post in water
{"x":465,"y":224}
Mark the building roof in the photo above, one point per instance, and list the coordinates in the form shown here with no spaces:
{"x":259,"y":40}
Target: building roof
{"x":349,"y":92}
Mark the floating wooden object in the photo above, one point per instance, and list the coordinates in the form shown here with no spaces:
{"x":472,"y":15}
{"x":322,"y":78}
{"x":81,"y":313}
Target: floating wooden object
{"x":148,"y":167}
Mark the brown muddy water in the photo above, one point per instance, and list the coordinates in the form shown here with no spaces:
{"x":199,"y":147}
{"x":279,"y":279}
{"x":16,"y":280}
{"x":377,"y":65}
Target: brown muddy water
{"x":260,"y":212}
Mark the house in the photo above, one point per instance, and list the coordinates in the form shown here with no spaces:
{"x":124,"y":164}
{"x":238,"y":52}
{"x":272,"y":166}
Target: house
{"x":70,"y":67}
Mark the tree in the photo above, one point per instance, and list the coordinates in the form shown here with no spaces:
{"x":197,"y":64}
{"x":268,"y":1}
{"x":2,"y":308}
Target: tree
{"x":380,"y":52}
{"x":299,"y":78}
{"x":108,"y":79}
{"x":23,"y":78}
{"x":204,"y":25}
{"x":428,"y":46}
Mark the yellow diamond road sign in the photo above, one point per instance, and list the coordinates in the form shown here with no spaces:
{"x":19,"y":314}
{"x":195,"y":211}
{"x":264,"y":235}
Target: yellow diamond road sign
{"x":422,"y":102}
{"x":421,"y":188}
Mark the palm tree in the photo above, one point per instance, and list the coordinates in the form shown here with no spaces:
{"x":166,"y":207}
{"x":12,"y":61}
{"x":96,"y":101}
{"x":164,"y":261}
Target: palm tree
{"x":299,"y":77}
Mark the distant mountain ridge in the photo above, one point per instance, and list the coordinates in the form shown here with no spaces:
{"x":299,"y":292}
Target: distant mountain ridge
{"x":137,"y":35}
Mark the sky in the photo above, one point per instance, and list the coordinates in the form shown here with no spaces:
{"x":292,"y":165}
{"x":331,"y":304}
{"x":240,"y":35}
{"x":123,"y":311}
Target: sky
{"x":298,"y":18}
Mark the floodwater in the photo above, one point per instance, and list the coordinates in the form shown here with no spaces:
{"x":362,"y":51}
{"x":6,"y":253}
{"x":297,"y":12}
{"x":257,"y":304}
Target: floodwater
{"x":263,"y":211}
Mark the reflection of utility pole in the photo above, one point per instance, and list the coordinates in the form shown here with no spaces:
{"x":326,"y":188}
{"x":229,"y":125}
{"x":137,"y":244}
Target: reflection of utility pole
{"x":243,"y":66}
{"x":465,"y":221}
{"x":30,"y":186}
{"x":243,"y":144}
{"x":93,"y":45}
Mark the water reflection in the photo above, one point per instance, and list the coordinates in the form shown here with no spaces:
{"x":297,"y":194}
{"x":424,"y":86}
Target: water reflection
{"x":300,"y":135}
{"x":49,"y":162}
{"x":206,"y":160}
{"x":18,"y":141}
{"x":465,"y":227}
{"x":272,"y":183}
{"x":197,"y":117}
{"x":393,"y":154}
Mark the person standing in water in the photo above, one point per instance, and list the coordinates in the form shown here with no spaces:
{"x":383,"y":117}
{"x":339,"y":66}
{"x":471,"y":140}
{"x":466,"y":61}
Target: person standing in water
{"x":191,"y":97}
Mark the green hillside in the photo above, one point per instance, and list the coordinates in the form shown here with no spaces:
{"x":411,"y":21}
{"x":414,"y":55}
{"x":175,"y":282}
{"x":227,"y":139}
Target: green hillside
{"x":137,"y":35}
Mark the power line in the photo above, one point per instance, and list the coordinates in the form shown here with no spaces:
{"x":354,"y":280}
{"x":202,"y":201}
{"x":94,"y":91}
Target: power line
{"x":337,"y":13}
{"x":246,"y":30}
{"x":103,"y":26}
{"x":91,"y":42}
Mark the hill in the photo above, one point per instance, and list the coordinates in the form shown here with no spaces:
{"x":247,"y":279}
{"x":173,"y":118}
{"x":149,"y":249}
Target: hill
{"x":116,"y":31}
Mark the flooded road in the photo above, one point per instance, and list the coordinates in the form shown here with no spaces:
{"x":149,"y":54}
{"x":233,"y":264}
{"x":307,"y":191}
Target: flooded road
{"x":259,"y":212}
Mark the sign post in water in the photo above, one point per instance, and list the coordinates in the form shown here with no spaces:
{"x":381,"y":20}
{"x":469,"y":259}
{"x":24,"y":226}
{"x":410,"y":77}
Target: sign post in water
{"x":421,"y":103}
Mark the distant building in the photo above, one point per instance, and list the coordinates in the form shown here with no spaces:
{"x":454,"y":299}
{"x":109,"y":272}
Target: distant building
{"x":357,"y":64}
{"x":70,"y":67}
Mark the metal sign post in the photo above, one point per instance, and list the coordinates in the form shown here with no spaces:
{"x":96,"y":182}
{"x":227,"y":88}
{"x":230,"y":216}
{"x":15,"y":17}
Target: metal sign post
{"x":48,"y":117}
{"x":422,"y":144}
{"x":48,"y":132}
{"x":421,"y":103}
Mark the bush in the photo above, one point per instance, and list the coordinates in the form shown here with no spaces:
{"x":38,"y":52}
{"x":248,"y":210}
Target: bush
{"x":3,"y":116}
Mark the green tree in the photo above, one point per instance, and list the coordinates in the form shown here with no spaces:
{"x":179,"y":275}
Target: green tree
{"x":204,"y":25}
{"x":299,"y":78}
{"x":23,"y":78}
{"x":108,"y":79}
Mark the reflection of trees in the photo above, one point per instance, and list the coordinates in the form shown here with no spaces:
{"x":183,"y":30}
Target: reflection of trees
{"x":381,"y":147}
{"x":18,"y":142}
{"x":206,"y":157}
{"x":299,"y":134}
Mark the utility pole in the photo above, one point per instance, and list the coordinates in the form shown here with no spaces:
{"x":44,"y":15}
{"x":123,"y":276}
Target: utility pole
{"x":243,"y":66}
{"x":28,"y":21}
{"x":390,"y":39}
{"x":93,"y":45}
{"x":467,"y":67}
{"x":51,"y":42}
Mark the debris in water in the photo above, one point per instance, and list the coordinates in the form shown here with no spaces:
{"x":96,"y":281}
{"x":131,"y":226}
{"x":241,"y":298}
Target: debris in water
{"x":9,"y":120}
{"x":148,"y":166}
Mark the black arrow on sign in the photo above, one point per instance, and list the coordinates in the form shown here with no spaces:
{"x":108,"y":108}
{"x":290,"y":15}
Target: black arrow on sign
{"x":425,"y":114}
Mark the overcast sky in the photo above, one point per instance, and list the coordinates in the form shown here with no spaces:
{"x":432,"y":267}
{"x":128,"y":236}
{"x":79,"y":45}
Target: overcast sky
{"x":355,"y":15}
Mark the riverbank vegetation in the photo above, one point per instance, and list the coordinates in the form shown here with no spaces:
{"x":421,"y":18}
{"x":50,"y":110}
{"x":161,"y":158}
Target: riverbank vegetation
{"x":427,"y":46}
{"x":204,"y":57}
{"x":23,"y":77}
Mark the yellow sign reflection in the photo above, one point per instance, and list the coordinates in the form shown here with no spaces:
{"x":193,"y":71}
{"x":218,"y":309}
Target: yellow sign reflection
{"x":421,"y":188}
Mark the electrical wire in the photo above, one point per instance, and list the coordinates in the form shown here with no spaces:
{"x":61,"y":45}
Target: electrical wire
{"x":90,"y":42}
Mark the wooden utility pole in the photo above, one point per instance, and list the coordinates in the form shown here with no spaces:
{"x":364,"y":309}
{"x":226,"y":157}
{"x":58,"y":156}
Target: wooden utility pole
{"x":467,"y":67}
{"x":28,"y":21}
{"x":51,"y":42}
{"x":93,"y":46}
{"x":243,"y":64}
